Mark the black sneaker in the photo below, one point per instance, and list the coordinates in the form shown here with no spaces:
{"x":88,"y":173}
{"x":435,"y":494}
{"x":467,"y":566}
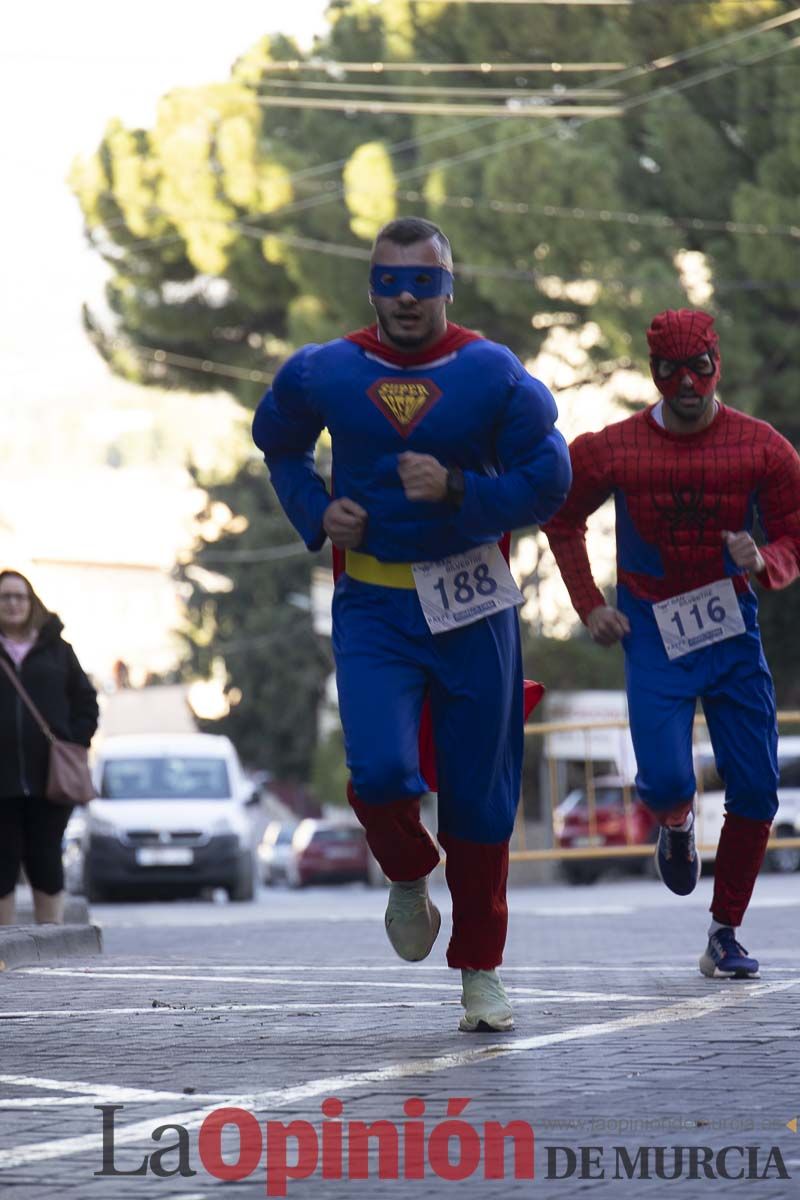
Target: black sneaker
{"x":677,"y":861}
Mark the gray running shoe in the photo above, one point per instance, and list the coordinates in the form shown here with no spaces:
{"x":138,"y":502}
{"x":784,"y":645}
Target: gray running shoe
{"x":412,"y":919}
{"x":486,"y":1006}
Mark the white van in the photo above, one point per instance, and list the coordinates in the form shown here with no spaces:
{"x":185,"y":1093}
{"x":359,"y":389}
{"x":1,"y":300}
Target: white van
{"x":170,"y":813}
{"x":711,"y":804}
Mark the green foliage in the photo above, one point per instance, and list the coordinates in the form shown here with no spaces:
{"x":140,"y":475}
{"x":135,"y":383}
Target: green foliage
{"x":236,"y":229}
{"x":329,"y":770}
{"x":248,"y":610}
{"x":572,"y":664}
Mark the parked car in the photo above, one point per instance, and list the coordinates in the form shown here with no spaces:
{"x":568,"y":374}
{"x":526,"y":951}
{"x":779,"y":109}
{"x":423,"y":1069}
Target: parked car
{"x":572,"y":830}
{"x":275,"y":851}
{"x":327,"y":852}
{"x":711,"y":804}
{"x":170,"y":814}
{"x":72,"y":851}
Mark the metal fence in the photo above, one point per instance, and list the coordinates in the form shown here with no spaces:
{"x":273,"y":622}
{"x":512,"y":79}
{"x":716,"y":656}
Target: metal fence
{"x":597,"y":847}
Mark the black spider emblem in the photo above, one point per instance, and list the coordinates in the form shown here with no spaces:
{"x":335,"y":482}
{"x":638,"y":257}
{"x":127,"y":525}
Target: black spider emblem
{"x":687,"y":510}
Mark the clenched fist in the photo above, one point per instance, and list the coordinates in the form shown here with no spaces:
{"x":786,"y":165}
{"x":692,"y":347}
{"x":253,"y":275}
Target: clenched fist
{"x":345,"y":522}
{"x":744,"y":551}
{"x":607,"y":625}
{"x":423,"y":477}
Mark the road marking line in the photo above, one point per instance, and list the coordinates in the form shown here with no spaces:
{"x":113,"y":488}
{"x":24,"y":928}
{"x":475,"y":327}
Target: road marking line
{"x":274,"y":980}
{"x":290,"y":1008}
{"x":577,"y":910}
{"x":101,"y":1097}
{"x":81,"y":1088}
{"x":334,"y":1085}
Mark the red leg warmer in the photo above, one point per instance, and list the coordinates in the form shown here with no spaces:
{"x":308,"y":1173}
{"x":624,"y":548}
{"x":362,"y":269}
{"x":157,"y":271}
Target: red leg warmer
{"x":396,"y":836}
{"x":477,"y":876}
{"x":742,"y":846}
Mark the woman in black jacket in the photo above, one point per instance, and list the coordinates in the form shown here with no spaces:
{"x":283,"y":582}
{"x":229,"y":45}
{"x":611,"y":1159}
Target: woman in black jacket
{"x":32,"y":828}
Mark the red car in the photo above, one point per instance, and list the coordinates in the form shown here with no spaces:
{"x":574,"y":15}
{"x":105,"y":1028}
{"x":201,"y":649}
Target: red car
{"x":572,"y":831}
{"x":327,"y":852}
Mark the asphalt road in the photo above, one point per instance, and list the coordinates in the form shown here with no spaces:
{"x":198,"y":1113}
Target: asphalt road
{"x":622,"y":1052}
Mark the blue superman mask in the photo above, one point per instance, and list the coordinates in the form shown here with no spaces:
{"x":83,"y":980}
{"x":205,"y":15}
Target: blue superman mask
{"x":423,"y":282}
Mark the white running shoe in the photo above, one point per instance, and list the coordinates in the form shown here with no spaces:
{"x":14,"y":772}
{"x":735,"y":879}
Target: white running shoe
{"x":412,"y":919}
{"x":486,"y":1005}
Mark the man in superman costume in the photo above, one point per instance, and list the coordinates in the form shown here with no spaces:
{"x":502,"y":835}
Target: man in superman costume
{"x":688,"y":476}
{"x":441,"y":442}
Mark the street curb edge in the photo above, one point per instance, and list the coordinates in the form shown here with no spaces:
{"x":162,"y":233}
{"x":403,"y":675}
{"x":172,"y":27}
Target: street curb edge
{"x":27,"y":945}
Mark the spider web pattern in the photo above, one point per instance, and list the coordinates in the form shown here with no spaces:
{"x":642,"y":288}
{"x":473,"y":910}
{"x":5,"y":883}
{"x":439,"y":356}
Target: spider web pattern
{"x":676,"y":494}
{"x":681,"y":334}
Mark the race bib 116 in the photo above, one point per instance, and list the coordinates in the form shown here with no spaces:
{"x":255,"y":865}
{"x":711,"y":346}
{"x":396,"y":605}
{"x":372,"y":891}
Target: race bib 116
{"x":695,"y":619}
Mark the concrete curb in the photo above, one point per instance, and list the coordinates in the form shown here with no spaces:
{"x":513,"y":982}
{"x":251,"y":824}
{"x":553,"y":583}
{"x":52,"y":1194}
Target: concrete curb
{"x":27,"y":945}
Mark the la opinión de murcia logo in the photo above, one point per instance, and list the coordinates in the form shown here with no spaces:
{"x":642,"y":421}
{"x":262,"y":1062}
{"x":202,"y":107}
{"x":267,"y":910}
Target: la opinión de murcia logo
{"x":452,"y":1149}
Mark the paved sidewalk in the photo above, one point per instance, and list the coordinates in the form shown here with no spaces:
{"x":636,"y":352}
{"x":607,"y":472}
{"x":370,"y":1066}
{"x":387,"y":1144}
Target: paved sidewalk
{"x":280,"y":1006}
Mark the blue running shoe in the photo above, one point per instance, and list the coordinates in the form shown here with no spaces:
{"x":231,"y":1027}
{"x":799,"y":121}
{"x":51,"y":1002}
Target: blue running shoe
{"x":726,"y":959}
{"x":677,"y":861}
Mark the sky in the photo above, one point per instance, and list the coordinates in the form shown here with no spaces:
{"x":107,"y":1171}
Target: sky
{"x":65,"y":70}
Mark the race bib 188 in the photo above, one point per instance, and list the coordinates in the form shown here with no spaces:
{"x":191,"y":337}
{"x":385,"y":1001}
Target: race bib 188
{"x":695,"y":619}
{"x":465,"y":587}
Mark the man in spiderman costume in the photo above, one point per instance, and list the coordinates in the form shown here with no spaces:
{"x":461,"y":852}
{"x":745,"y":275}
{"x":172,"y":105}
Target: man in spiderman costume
{"x":441,"y":442}
{"x":688,"y":476}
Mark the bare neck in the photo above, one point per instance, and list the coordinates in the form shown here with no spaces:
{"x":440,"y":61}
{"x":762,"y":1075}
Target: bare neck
{"x":674,"y":424}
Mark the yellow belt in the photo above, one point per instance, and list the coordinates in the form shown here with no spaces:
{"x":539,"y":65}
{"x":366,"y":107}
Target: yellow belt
{"x":367,"y":569}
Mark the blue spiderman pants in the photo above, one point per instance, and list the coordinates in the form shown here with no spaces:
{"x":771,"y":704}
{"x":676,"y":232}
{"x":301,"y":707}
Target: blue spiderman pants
{"x":387,"y":662}
{"x":732,"y":681}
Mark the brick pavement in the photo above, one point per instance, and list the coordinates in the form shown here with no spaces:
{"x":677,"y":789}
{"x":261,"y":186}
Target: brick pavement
{"x":277,"y":1006}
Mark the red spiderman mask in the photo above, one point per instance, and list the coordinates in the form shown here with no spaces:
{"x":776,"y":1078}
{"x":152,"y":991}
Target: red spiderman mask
{"x":684,"y":342}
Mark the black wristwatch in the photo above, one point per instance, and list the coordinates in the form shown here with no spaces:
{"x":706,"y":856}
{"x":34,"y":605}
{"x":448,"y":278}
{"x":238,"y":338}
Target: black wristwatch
{"x":455,"y":487}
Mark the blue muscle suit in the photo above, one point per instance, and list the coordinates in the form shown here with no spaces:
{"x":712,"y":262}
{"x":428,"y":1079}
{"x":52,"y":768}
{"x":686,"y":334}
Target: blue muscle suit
{"x":470,"y":403}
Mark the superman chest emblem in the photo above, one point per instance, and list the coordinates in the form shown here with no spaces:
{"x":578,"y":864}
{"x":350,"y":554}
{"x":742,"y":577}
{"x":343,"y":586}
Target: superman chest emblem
{"x":404,"y":402}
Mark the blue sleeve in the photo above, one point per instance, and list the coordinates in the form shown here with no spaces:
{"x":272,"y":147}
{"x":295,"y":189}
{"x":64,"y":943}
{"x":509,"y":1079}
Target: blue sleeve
{"x":535,"y":463}
{"x":286,"y":427}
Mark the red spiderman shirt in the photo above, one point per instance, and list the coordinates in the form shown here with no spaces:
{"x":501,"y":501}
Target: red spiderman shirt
{"x":675,"y":494}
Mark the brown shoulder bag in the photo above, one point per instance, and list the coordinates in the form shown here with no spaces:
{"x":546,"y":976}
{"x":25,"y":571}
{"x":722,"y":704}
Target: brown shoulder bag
{"x":69,"y":780}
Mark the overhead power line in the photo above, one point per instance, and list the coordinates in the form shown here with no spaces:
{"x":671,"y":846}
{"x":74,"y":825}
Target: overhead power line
{"x":498,"y":111}
{"x":592,"y":3}
{"x":556,"y":92}
{"x":635,"y":72}
{"x":206,"y":366}
{"x":439,"y":68}
{"x":626,"y":73}
{"x":655,"y":220}
{"x":630,"y":104}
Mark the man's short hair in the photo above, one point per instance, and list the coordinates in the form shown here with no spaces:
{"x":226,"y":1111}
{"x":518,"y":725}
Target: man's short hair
{"x":404,"y":231}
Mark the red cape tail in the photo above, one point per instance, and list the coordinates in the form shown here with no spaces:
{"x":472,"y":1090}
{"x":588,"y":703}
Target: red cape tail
{"x":532,"y":694}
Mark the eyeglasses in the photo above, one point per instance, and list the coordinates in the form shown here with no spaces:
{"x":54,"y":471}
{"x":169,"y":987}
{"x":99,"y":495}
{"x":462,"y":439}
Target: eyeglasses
{"x":701,"y":364}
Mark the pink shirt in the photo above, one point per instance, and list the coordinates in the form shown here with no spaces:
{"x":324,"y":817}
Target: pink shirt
{"x":16,"y":650}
